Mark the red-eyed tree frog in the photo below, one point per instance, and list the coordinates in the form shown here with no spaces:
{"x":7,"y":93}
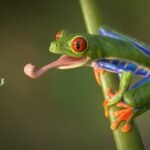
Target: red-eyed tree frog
{"x":111,"y":51}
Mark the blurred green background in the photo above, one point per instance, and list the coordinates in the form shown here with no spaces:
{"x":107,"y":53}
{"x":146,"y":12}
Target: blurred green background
{"x":63,"y":109}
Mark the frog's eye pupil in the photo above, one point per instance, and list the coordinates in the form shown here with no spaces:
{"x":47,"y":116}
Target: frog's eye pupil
{"x":79,"y":44}
{"x":58,"y":35}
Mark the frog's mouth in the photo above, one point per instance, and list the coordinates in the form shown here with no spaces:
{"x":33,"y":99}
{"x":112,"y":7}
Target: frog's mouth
{"x":64,"y":62}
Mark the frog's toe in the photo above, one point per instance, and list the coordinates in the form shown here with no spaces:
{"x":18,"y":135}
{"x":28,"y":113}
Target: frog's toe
{"x":105,"y":109}
{"x":114,"y":125}
{"x":126,"y":127}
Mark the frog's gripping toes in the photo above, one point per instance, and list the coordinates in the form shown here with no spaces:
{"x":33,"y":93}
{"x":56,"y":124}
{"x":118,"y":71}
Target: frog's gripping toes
{"x":123,"y":115}
{"x":135,"y":101}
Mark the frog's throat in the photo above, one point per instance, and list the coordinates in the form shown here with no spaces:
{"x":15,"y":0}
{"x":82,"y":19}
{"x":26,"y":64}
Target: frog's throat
{"x":64,"y":62}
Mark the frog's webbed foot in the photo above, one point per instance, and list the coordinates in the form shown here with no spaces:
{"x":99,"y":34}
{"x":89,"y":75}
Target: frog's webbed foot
{"x":97,"y":73}
{"x":110,"y":95}
{"x":123,"y":115}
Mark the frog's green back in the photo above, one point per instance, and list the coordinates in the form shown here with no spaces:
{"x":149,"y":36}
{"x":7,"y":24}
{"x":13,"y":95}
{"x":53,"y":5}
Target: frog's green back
{"x":140,"y":46}
{"x":116,"y":48}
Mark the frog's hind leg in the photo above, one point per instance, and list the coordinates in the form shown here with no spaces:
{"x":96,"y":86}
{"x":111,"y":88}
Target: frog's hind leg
{"x":135,"y":102}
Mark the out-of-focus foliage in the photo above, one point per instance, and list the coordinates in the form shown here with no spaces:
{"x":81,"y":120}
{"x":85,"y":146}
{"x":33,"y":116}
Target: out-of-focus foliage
{"x":61,"y":110}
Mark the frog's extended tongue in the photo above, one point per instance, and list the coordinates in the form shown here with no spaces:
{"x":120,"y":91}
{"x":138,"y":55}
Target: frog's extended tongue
{"x":63,"y":62}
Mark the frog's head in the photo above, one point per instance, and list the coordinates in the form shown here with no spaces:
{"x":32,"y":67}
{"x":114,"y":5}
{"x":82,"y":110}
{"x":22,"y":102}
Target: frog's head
{"x":76,"y":50}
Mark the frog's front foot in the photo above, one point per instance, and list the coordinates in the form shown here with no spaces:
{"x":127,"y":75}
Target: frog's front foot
{"x":123,"y":115}
{"x":97,"y":73}
{"x":112,"y":99}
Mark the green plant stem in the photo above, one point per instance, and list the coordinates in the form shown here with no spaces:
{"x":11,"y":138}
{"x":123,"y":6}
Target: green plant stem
{"x":124,"y":141}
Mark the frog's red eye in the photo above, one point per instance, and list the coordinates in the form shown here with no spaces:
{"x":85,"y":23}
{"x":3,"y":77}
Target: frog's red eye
{"x":58,"y":35}
{"x":79,"y":44}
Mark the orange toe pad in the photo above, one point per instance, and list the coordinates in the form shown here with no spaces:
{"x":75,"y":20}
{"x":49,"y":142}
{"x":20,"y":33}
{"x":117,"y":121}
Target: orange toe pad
{"x":126,"y":127}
